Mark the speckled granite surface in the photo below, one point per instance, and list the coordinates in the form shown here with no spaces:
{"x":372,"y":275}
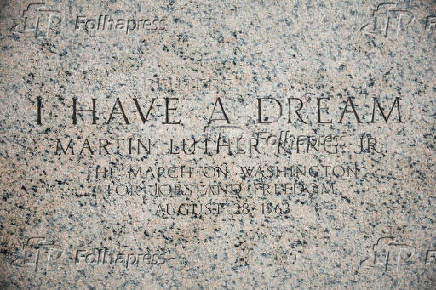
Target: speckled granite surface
{"x":217,"y":144}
